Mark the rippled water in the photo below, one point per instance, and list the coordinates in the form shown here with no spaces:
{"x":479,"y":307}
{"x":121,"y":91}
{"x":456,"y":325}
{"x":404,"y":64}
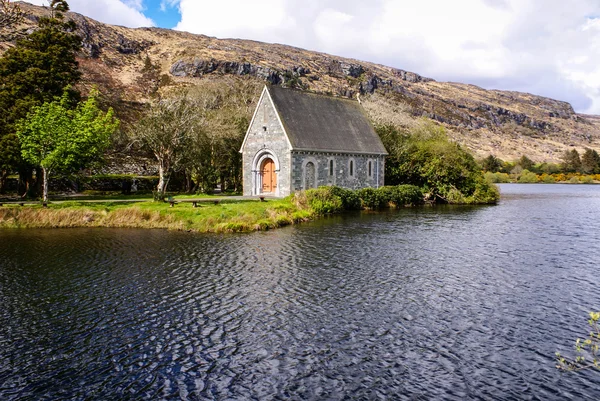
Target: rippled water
{"x":446,"y":302}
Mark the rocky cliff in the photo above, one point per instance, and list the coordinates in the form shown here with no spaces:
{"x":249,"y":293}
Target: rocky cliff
{"x":132,"y":65}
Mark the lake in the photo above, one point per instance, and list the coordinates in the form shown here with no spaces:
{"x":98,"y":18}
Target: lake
{"x":422,"y":303}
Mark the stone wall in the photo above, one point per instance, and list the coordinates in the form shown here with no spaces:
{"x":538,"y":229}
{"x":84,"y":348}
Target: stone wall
{"x":341,"y":176}
{"x":266,"y":139}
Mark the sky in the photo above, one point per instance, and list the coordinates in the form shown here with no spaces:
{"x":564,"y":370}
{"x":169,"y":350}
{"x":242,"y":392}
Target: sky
{"x":545,"y":47}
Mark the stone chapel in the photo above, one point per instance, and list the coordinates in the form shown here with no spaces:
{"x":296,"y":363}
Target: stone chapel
{"x":299,"y":140}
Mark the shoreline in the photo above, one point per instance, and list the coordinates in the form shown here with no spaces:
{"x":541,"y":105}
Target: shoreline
{"x":219,"y":214}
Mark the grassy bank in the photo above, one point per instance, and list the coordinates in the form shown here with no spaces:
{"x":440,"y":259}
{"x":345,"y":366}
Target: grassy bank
{"x":227,"y":216}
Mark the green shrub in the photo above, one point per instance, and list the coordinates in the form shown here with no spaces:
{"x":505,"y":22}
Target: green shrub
{"x":547,"y":178}
{"x":527,"y":177}
{"x":323,"y":200}
{"x":496,"y":178}
{"x":349,"y":198}
{"x":371,"y":198}
{"x":407,"y":195}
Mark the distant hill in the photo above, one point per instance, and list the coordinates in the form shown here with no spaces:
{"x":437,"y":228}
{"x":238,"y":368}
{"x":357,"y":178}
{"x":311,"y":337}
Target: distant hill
{"x":131,"y":65}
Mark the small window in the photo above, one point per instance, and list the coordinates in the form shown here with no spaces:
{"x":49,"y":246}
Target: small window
{"x":331,"y":167}
{"x":370,"y":169}
{"x":351,"y":168}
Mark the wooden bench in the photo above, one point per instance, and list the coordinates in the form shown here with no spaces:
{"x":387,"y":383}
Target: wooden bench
{"x":194,"y":202}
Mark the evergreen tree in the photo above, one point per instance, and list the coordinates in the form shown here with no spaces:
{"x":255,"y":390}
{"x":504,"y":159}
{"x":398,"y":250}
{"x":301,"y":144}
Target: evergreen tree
{"x":571,"y":162}
{"x":35,"y":71}
{"x":590,"y":162}
{"x":526,"y":163}
{"x":491,"y":164}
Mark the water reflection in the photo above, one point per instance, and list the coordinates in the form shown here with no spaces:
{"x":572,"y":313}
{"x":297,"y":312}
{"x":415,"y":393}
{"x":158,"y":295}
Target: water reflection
{"x":449,"y":302}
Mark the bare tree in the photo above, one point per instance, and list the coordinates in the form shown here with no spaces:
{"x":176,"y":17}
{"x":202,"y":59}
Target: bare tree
{"x":10,"y":14}
{"x":167,"y":130}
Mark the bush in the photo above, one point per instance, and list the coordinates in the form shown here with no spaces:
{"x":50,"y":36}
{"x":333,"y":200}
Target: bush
{"x":527,"y":177}
{"x":406,"y":195}
{"x":323,"y":200}
{"x":349,"y":198}
{"x":547,"y":178}
{"x":426,"y":157}
{"x":497,"y":178}
{"x":372,"y":198}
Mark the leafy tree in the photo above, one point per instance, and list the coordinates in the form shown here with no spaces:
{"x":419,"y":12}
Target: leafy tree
{"x":587,"y":349}
{"x":491,"y":164}
{"x":36,"y":70}
{"x":571,"y":162}
{"x":58,"y":138}
{"x":10,"y":14}
{"x":590,"y":162}
{"x":427,"y":158}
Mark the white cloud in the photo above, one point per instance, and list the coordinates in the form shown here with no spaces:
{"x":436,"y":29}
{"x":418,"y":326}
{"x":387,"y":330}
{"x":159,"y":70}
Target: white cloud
{"x":547,"y":47}
{"x":265,"y":20}
{"x":117,"y":12}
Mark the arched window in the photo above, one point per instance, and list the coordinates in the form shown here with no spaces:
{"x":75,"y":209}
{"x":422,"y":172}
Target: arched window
{"x":370,"y":168}
{"x":351,"y":167}
{"x":330,"y":167}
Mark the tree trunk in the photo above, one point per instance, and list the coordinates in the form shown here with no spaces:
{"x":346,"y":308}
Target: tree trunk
{"x":3,"y":176}
{"x":163,"y":181}
{"x":45,"y":172}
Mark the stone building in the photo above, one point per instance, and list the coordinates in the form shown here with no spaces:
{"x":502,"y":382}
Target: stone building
{"x":299,"y":140}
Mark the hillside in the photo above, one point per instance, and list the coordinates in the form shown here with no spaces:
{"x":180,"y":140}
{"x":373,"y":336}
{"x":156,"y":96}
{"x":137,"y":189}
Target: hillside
{"x":132,"y":65}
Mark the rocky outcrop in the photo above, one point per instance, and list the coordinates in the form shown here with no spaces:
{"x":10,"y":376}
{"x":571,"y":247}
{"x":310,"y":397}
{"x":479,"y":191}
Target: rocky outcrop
{"x":198,"y":68}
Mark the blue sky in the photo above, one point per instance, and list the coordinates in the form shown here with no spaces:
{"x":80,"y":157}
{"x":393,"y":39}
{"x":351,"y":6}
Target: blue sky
{"x":545,"y":47}
{"x":164,"y":17}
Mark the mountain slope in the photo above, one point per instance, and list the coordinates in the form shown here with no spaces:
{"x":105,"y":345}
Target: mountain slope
{"x":131,"y":65}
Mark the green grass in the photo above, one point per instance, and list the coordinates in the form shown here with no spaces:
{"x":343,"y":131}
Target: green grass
{"x":227,"y":216}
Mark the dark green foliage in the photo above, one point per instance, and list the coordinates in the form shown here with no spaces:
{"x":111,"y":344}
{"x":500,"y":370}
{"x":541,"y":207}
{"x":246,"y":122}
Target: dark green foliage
{"x":571,"y":162}
{"x":590,"y":162}
{"x":349,"y":198}
{"x":372,"y":198}
{"x":326,"y":200}
{"x":491,"y":164}
{"x":426,"y":158}
{"x":10,"y":155}
{"x":405,"y":195}
{"x":526,"y":163}
{"x":37,"y":70}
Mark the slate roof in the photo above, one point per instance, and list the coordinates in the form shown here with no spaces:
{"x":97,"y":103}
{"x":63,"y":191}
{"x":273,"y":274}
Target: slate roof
{"x":316,"y":122}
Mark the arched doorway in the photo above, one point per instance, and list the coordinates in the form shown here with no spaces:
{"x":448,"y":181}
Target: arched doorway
{"x":269,"y":177}
{"x":310,"y":175}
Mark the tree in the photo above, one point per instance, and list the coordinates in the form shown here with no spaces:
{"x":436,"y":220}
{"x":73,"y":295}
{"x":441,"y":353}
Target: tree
{"x":168,"y":130}
{"x":425,"y":157}
{"x":571,"y":162}
{"x":10,"y":14}
{"x":492,"y":164}
{"x":36,"y":70}
{"x":57,"y":138}
{"x":587,"y":349}
{"x":526,"y":163}
{"x":590,"y":162}
{"x":10,"y":155}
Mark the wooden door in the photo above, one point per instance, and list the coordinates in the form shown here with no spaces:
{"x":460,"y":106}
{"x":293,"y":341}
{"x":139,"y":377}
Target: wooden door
{"x":269,"y":177}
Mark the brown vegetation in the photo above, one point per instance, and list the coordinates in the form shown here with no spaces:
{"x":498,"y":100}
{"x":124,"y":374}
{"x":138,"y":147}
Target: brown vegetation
{"x":133,"y":65}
